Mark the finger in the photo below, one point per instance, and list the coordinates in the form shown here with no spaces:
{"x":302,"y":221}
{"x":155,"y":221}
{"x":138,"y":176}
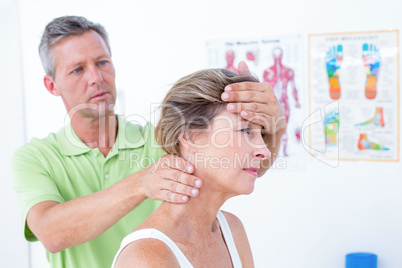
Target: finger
{"x":245,"y":96}
{"x":247,"y":86}
{"x":176,"y":192}
{"x":175,"y":162}
{"x":264,"y":108}
{"x":260,"y":119}
{"x":178,"y":188}
{"x":271,"y":124}
{"x":184,"y":178}
{"x":243,"y":68}
{"x":180,"y":177}
{"x":171,"y":197}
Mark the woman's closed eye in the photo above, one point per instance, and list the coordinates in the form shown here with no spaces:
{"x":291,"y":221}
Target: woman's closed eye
{"x":246,"y":130}
{"x":254,"y":132}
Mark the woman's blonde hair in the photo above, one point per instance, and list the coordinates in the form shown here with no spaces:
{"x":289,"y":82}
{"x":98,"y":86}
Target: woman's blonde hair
{"x":192,"y":102}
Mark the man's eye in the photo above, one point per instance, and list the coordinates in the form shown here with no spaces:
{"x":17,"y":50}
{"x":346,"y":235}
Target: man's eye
{"x":102,"y":62}
{"x":76,"y":71}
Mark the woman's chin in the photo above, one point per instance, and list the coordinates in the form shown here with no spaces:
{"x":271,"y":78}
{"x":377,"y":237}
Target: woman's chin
{"x":248,"y":190}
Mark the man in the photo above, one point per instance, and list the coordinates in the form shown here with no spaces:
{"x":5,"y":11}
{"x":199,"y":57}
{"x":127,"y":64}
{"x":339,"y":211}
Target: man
{"x":84,"y":188}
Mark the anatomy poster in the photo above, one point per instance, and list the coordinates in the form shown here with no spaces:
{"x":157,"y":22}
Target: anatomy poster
{"x":354,"y":96}
{"x":278,"y":61}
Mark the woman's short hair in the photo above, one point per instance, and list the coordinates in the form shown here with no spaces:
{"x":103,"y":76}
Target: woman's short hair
{"x":61,"y":28}
{"x":193,"y":102}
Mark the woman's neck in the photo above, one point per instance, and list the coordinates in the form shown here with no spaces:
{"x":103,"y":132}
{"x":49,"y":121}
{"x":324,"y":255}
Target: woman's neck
{"x":192,"y":220}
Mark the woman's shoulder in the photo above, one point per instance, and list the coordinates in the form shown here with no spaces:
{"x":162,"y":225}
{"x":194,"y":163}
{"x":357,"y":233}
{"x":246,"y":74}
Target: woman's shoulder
{"x":240,"y":239}
{"x":147,"y":252}
{"x":234,"y":222}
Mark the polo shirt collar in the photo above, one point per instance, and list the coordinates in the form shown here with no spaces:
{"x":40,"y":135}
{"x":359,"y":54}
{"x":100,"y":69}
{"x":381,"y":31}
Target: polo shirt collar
{"x":128,"y":136}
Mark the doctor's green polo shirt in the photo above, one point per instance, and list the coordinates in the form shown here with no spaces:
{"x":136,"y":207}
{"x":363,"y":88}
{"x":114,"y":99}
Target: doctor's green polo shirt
{"x":61,"y":168}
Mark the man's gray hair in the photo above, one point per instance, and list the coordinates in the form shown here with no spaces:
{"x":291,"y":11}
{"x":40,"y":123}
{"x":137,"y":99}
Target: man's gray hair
{"x":61,"y":28}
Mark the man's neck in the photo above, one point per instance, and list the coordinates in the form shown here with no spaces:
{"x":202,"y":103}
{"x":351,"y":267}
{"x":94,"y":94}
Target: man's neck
{"x":96,"y":132}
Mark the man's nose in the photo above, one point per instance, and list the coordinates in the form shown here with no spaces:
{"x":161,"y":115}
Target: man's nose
{"x":94,"y":75}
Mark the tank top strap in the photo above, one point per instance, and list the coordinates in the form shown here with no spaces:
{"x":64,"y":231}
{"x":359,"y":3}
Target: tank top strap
{"x":227,"y":234}
{"x":155,"y":234}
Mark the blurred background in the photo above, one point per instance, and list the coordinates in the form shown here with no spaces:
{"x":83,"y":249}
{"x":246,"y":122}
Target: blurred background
{"x":308,"y":217}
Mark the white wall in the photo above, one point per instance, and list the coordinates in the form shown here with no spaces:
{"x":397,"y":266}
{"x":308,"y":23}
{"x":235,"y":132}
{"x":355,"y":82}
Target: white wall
{"x":310,"y":218}
{"x":14,"y":251}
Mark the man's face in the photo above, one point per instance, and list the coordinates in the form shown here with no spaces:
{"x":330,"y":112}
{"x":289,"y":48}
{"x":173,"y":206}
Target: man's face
{"x":85,"y":75}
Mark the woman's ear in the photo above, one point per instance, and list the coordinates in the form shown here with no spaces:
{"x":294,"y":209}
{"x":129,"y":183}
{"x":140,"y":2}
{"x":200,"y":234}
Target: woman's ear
{"x":186,"y":139}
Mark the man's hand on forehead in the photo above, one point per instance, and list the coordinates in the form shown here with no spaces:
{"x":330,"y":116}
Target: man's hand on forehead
{"x":256,"y":102}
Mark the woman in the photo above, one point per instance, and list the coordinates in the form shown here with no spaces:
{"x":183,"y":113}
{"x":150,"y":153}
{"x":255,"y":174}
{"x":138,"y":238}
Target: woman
{"x":226,"y":152}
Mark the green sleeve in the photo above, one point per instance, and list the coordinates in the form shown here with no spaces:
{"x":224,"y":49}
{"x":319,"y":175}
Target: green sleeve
{"x":32,"y":182}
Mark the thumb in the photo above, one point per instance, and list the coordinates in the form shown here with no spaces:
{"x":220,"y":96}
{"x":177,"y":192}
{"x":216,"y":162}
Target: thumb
{"x":243,"y":68}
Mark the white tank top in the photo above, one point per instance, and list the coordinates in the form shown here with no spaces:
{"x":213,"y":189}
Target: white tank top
{"x":181,"y":258}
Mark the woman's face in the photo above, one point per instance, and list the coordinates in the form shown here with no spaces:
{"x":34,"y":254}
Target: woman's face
{"x":228,"y":154}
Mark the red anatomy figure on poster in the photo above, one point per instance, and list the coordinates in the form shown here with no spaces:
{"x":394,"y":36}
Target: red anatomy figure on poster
{"x":278,"y":76}
{"x":230,"y":56}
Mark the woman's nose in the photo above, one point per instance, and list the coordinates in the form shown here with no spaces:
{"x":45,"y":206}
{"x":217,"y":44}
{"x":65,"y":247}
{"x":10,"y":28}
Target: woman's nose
{"x":261,"y":150}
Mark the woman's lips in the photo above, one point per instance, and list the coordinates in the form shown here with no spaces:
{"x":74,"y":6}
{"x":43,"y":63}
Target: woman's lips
{"x":252,"y":171}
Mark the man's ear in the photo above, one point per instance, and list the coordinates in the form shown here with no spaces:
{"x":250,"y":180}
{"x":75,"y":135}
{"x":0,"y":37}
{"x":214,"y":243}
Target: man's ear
{"x":186,"y":139}
{"x":50,"y":85}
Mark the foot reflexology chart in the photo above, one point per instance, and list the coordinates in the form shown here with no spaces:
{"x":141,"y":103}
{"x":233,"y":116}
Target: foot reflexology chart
{"x":354,"y":83}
